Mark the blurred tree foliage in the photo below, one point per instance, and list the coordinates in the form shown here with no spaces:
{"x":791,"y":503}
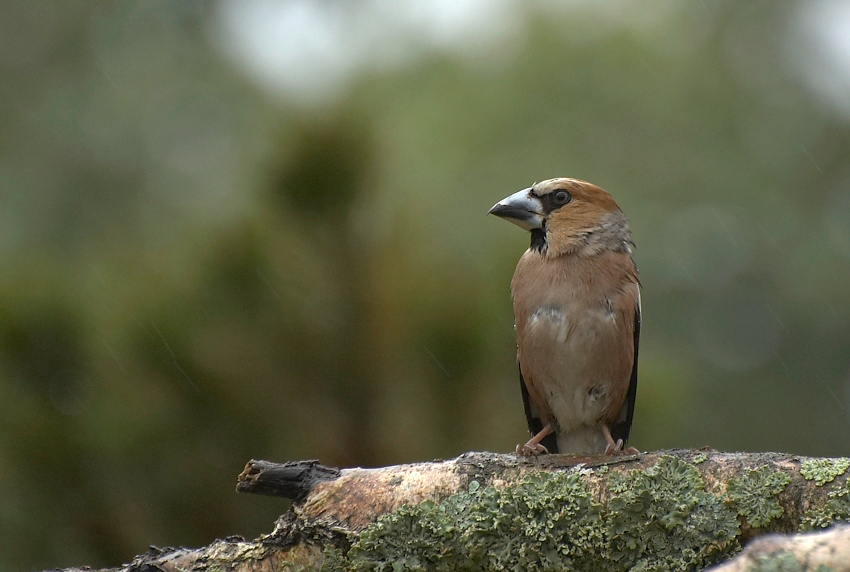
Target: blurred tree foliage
{"x":196,"y":274}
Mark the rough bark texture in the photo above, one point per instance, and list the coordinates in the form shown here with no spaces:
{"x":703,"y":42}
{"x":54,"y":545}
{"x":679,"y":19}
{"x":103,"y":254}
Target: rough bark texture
{"x":667,"y":510}
{"x":292,"y":480}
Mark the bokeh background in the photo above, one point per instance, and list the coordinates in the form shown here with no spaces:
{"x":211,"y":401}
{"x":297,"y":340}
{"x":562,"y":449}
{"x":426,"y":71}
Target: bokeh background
{"x":257,"y":229}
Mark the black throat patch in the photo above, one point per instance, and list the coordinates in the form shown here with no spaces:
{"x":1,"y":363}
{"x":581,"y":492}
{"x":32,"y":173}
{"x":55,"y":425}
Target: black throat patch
{"x":538,"y":240}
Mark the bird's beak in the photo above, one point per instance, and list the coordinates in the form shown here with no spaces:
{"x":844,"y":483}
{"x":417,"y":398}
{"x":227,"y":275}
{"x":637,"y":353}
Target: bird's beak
{"x":521,"y":208}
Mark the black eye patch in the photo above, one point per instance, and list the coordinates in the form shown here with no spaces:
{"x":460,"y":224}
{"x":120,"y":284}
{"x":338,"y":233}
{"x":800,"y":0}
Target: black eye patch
{"x":555,"y":200}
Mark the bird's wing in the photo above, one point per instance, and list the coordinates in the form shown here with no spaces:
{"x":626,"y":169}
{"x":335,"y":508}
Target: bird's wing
{"x":621,"y":428}
{"x":535,"y":424}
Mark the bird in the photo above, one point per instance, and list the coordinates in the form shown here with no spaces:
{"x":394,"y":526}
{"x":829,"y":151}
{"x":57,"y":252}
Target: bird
{"x":577,"y":315}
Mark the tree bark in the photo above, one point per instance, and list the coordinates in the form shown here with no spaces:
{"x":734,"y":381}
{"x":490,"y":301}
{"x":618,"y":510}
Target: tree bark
{"x":816,"y":552}
{"x":666,"y":510}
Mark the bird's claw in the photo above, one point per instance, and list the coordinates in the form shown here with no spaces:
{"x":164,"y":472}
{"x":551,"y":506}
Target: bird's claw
{"x":616,"y":449}
{"x":531,"y":450}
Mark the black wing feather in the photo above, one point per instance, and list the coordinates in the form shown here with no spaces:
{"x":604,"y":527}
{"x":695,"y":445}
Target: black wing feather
{"x":621,"y":429}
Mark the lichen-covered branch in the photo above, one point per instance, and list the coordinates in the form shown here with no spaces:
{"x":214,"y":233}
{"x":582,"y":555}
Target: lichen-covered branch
{"x":669,"y":510}
{"x":823,"y":551}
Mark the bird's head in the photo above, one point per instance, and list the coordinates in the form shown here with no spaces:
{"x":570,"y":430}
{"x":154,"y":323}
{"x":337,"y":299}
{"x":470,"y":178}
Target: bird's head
{"x":567,"y":216}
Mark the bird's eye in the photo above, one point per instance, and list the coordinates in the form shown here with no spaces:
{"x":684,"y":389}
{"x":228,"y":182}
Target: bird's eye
{"x":562,"y":197}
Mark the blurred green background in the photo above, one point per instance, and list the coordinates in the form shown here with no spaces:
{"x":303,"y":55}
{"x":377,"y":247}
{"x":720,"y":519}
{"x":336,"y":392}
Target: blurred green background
{"x":257,"y":229}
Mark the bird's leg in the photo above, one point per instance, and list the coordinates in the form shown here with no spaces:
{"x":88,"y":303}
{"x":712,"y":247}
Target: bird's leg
{"x":616,"y":448}
{"x":533,"y":447}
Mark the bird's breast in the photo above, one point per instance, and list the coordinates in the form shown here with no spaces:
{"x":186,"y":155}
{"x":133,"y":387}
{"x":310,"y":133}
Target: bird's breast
{"x":570,"y":342}
{"x":550,"y":322}
{"x":555,"y":324}
{"x":569,"y":353}
{"x":574,"y":337}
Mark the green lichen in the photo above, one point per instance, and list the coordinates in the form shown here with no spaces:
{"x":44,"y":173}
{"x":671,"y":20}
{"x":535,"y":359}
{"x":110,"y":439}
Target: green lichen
{"x":836,"y":508}
{"x":699,"y":458}
{"x":658,"y":519}
{"x":664,"y":519}
{"x":548,"y":521}
{"x":781,"y":561}
{"x":754,"y":495}
{"x":335,"y":560}
{"x":823,"y":471}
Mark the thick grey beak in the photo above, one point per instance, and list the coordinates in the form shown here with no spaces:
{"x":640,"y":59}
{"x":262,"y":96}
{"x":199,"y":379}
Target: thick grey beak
{"x":521,"y":208}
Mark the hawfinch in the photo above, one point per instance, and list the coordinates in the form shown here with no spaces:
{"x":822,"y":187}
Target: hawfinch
{"x":576,"y":304}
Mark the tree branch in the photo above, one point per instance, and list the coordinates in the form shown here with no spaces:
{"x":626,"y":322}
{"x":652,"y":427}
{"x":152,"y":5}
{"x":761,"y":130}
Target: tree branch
{"x":678,"y":509}
{"x":293,"y":480}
